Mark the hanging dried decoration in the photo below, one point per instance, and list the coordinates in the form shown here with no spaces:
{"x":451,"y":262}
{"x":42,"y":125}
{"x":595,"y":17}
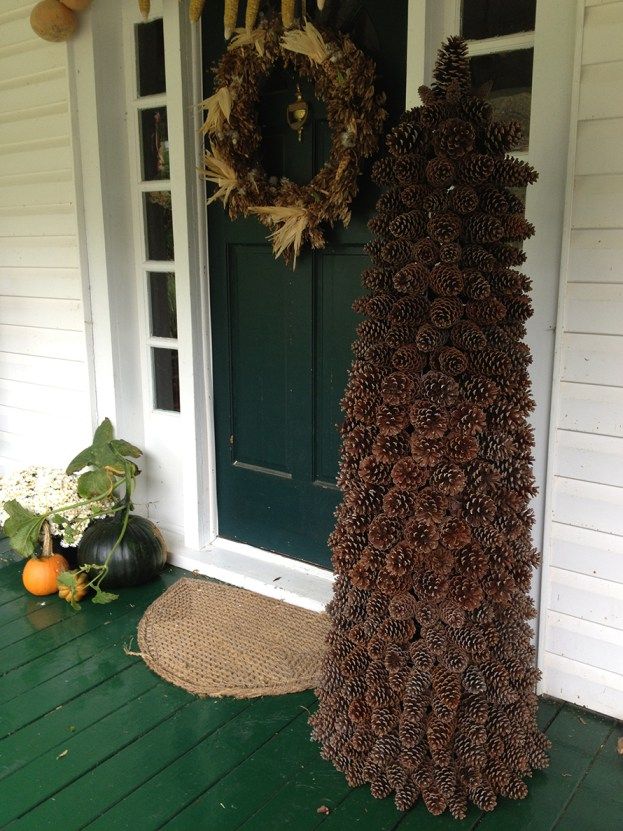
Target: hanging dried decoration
{"x":343,"y":78}
{"x":428,"y":686}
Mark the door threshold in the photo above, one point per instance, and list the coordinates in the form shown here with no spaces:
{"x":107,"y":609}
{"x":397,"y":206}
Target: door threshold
{"x":264,"y":572}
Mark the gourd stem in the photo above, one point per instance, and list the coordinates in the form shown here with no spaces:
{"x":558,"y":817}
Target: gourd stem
{"x":46,"y":548}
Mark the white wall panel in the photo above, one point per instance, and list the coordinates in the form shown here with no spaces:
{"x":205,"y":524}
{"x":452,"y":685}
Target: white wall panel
{"x":581,"y":642}
{"x":45,"y":405}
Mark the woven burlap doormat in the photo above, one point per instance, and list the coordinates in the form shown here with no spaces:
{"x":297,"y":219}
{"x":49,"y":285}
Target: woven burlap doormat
{"x":213,"y":640}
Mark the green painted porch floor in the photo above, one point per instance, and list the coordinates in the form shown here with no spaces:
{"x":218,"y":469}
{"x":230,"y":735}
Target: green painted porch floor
{"x":90,"y":738}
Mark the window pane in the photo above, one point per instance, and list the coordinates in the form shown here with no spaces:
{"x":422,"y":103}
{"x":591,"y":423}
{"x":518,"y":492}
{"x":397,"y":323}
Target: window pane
{"x":155,"y":143}
{"x":163,"y":305}
{"x":511,"y":73}
{"x":491,"y":18}
{"x":150,"y":50}
{"x":159,"y":225}
{"x":166,"y":379}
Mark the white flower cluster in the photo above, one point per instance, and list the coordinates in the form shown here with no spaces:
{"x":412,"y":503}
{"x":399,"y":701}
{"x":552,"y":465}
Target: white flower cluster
{"x":43,"y":489}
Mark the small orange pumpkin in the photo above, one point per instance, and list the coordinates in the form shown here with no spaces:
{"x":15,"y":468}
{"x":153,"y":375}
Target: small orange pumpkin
{"x":75,"y":594}
{"x":40,"y":574}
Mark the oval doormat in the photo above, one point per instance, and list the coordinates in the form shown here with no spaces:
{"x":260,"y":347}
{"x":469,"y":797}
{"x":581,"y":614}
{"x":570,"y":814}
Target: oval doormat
{"x":213,"y":639}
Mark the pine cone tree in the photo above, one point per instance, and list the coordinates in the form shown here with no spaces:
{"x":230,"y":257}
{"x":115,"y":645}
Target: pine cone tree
{"x":428,"y":681}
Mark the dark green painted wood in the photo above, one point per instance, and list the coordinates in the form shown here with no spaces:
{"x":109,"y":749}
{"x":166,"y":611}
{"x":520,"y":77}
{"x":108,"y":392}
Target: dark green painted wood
{"x":81,"y":712}
{"x":88,"y":796}
{"x":281,"y":339}
{"x":203,"y":765}
{"x":36,"y":782}
{"x":48,"y":653}
{"x":144,"y":754}
{"x":7,"y":555}
{"x":26,"y":615}
{"x":597,"y":803}
{"x":576,"y":737}
{"x":258,"y":777}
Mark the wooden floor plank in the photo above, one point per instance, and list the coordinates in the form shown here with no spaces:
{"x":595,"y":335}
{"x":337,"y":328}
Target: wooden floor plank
{"x":46,"y":654}
{"x":11,"y":585}
{"x":46,"y":732}
{"x":89,"y":796}
{"x":597,"y":804}
{"x":203,"y":765}
{"x":576,"y":738}
{"x":31,"y":787}
{"x":237,"y":796}
{"x":313,"y":782}
{"x":26,"y":616}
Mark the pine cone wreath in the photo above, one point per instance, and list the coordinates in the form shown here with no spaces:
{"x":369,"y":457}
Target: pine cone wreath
{"x":427,"y":687}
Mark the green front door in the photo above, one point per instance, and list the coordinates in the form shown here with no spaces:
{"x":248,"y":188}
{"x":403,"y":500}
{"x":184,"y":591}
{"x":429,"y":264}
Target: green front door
{"x":281,"y":338}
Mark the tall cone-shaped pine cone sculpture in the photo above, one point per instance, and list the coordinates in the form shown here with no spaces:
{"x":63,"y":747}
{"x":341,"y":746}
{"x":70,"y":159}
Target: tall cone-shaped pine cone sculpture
{"x":428,"y":685}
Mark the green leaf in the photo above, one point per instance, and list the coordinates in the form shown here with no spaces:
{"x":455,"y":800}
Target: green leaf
{"x":105,"y":456}
{"x":95,"y":483}
{"x":67,"y":578}
{"x":125,"y":448}
{"x":103,"y":597}
{"x":104,"y":433}
{"x":22,"y":527}
{"x":83,"y":459}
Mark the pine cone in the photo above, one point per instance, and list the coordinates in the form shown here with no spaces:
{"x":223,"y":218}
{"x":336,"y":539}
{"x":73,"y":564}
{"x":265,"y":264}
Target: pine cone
{"x":445,"y":312}
{"x":411,"y":279}
{"x":408,"y":225}
{"x":446,"y":280}
{"x":500,"y":137}
{"x":475,"y":169}
{"x":444,"y":227}
{"x":409,"y":169}
{"x":513,"y":173}
{"x":382,"y":172}
{"x":477,"y":110}
{"x":464,"y":199}
{"x":404,"y":138}
{"x":452,"y":64}
{"x":440,"y":172}
{"x":455,"y":138}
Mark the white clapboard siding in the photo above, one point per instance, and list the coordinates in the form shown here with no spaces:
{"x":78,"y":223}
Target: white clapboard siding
{"x":600,"y":91}
{"x":590,"y":408}
{"x":45,"y":402}
{"x":588,"y":302}
{"x":596,"y":256}
{"x":586,"y":551}
{"x":581,"y":635}
{"x":590,"y":458}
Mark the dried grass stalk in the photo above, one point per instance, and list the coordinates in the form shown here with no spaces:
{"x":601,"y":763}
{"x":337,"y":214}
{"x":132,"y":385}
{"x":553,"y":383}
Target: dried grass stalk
{"x":218,"y":107}
{"x":220,"y":173}
{"x":195,"y":9}
{"x":292,"y":221}
{"x":230,"y":16}
{"x":244,"y":37}
{"x":307,"y":42}
{"x":251,"y":14}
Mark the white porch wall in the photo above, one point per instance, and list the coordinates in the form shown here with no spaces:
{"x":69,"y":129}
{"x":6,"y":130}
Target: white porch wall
{"x":45,"y":407}
{"x":581,"y":649}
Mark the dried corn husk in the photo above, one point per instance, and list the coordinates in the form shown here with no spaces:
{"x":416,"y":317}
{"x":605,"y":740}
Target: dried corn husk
{"x":194,"y":10}
{"x":218,"y":107}
{"x":255,"y":37}
{"x":230,"y":17}
{"x":287,"y":13}
{"x":220,"y":173}
{"x":144,"y":7}
{"x":306,"y":42}
{"x":292,"y":221}
{"x":251,"y":14}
